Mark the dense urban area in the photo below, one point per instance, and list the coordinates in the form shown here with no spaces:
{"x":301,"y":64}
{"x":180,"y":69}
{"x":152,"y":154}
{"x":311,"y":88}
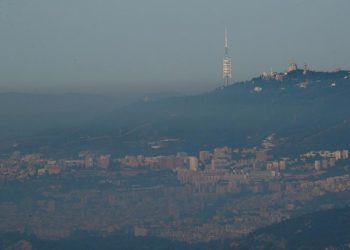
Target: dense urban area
{"x":224,"y":193}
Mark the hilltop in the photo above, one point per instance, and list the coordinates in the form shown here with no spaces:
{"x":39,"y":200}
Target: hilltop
{"x":309,"y":111}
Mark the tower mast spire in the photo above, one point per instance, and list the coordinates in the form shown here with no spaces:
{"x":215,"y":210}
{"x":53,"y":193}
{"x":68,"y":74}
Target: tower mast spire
{"x":226,"y":43}
{"x":227,"y":62}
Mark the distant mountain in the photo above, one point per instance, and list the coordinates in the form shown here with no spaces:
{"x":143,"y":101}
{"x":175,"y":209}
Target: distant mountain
{"x":29,"y":112}
{"x":309,"y":110}
{"x":36,"y":119}
{"x":322,"y":230}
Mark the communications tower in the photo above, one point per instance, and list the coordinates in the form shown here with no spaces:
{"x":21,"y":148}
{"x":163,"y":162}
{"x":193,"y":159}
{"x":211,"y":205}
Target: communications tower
{"x":227,"y":72}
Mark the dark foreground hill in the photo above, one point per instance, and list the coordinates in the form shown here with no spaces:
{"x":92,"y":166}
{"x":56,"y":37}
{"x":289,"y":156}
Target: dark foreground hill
{"x":90,"y":241}
{"x":319,"y":230}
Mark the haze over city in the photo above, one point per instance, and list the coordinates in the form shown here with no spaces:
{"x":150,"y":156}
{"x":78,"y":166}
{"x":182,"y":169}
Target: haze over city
{"x":162,"y":46}
{"x":185,"y":125}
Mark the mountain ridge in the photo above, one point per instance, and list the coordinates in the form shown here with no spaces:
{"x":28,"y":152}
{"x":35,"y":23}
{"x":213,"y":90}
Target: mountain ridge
{"x":308,"y":108}
{"x":281,"y":107}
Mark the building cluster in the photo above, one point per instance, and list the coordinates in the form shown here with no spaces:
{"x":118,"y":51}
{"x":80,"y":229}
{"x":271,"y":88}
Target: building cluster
{"x":273,"y":76}
{"x":327,"y":159}
{"x":168,"y":211}
{"x":219,"y":159}
{"x":240,"y":189}
{"x":223,"y":167}
{"x":19,"y":166}
{"x":228,"y":170}
{"x":279,"y":76}
{"x":180,"y":160}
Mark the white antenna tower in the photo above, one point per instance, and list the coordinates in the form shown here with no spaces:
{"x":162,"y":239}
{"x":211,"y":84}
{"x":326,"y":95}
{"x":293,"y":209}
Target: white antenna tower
{"x":227,"y":71}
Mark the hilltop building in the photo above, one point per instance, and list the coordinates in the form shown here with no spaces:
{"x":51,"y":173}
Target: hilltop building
{"x":292,"y":67}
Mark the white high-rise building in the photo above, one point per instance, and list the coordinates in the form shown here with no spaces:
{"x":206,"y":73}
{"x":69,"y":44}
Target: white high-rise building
{"x":227,"y":69}
{"x":193,"y":162}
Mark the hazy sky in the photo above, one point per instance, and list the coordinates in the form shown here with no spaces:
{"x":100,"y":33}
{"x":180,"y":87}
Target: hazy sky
{"x":159,"y":45}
